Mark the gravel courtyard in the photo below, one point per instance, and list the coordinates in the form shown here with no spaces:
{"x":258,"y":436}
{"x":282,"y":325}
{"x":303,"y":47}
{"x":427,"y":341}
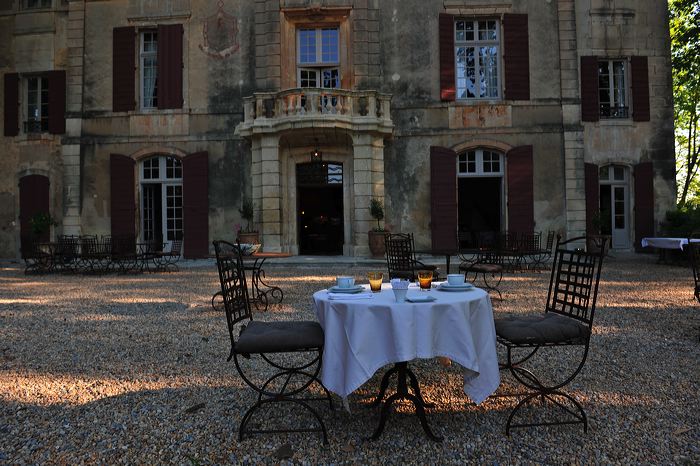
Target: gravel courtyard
{"x":121,"y":369}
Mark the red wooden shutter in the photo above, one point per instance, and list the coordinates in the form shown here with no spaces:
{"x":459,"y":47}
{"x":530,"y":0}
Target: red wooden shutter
{"x":195,"y":193}
{"x":521,"y":213}
{"x":11,"y":96}
{"x":516,"y":57}
{"x":447,"y":57}
{"x":57,"y":101}
{"x":122,"y":198}
{"x":33,"y":199}
{"x":640,"y":89}
{"x":123,"y":66}
{"x":443,"y":198}
{"x":592,"y":192}
{"x":170,"y":66}
{"x":590,"y":110}
{"x":643,"y":202}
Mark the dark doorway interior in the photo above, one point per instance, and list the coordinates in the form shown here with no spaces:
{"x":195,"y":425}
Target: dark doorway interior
{"x":320,"y":208}
{"x":152,"y":212}
{"x":605,"y":197}
{"x":33,"y":200}
{"x":479,"y":208}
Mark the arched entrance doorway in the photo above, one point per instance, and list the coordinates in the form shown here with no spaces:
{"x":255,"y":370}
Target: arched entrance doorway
{"x":161,"y":199}
{"x":320,"y":207}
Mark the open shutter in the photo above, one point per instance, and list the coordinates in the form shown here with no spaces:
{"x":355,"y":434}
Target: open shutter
{"x":443,"y":198}
{"x":33,"y":199}
{"x":11,"y":101}
{"x":592,"y":191}
{"x":447,"y":57}
{"x":516,"y":57}
{"x":521,"y":212}
{"x":122,"y":198}
{"x":590,"y":110}
{"x":640,"y":88}
{"x":643,"y":202}
{"x":57,"y":101}
{"x":170,"y":66}
{"x":195,"y":193}
{"x":123,"y":67}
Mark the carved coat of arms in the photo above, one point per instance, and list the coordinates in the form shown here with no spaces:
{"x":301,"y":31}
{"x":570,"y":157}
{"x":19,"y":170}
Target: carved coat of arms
{"x":220,"y":34}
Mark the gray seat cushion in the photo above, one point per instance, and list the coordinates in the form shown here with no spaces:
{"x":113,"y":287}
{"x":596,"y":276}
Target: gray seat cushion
{"x":272,"y":337}
{"x":540,"y":329}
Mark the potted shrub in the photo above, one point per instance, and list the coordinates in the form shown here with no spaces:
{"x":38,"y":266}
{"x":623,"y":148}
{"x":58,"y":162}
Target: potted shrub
{"x":40,"y":224}
{"x":247,"y":234}
{"x":376,"y":234}
{"x":603,"y":229}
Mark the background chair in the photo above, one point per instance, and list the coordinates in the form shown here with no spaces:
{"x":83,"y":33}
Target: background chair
{"x":274,"y":343}
{"x":401,"y":257}
{"x":694,"y":253}
{"x":485,"y":260}
{"x":567,"y":321}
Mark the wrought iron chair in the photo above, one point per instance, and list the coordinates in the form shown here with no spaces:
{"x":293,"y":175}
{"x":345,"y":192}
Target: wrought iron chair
{"x":167,"y":260}
{"x":485,"y":260}
{"x":401,"y":257}
{"x":567,"y":321}
{"x":694,"y":252}
{"x":292,"y":349}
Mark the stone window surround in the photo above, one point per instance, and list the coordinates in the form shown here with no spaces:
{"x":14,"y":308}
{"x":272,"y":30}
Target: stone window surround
{"x":293,"y":18}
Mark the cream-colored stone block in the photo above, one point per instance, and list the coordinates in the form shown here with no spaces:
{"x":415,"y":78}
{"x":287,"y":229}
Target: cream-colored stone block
{"x":362,"y":177}
{"x":270,"y":203}
{"x":271,"y":191}
{"x":270,"y":173}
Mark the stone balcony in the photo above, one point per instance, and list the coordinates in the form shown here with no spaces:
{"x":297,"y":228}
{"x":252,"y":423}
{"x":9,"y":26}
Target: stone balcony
{"x":301,"y":108}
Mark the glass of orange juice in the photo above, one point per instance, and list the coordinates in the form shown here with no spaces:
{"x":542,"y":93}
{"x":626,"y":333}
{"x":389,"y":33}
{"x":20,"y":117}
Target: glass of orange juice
{"x":375,"y":281}
{"x":425,"y":277}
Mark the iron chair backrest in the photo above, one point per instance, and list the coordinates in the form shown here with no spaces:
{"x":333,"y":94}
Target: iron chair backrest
{"x":400,"y":254}
{"x":573,"y":286}
{"x":175,"y":248}
{"x":234,"y":290}
{"x":530,"y":242}
{"x":550,"y":241}
{"x":694,"y":252}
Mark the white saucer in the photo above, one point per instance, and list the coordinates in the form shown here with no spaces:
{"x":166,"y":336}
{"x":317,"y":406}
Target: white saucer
{"x":352,"y":289}
{"x":447,"y":287}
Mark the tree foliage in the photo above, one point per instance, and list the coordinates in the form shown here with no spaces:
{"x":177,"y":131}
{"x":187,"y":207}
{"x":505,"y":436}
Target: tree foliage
{"x":685,"y":59}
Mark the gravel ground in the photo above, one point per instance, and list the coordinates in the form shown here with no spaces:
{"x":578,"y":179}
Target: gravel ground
{"x":132,"y":370}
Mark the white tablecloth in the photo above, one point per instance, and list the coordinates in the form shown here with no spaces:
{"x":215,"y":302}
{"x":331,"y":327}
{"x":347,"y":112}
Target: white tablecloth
{"x":667,"y":243}
{"x":364,"y":335}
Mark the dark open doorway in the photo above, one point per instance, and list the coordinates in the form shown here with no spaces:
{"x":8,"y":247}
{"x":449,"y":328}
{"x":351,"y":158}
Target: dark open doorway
{"x":479,"y":208}
{"x":320,"y":208}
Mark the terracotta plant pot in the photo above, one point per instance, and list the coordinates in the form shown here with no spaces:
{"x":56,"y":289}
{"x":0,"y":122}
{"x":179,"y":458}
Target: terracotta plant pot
{"x":252,"y":237}
{"x":376,"y":243}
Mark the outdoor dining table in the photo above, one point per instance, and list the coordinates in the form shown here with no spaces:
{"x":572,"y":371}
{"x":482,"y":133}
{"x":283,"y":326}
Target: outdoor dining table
{"x":665,"y":244}
{"x":363,"y":335}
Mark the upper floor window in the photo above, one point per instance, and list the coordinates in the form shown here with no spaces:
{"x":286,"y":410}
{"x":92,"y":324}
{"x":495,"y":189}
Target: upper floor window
{"x":149,"y":69}
{"x":318,"y":57}
{"x":612,"y":89}
{"x":37,"y":117}
{"x":35,"y":4}
{"x":477,"y":50}
{"x":480,"y":162}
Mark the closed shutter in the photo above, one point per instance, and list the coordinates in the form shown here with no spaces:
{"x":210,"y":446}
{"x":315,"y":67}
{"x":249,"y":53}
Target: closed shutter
{"x":516,"y":57}
{"x":170,"y":66}
{"x":11,"y":96}
{"x":123,"y":67}
{"x":640,"y":89}
{"x":447,"y":57}
{"x":57,"y":101}
{"x":122,"y":198}
{"x":592,"y":192}
{"x":195,"y":193}
{"x":643,"y":203}
{"x":443,"y":198}
{"x":590,"y":110}
{"x":33,"y":199}
{"x":521,"y":212}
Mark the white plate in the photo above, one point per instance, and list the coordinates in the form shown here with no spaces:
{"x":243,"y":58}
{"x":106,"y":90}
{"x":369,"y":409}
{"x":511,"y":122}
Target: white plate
{"x":444,"y":287}
{"x":353,"y":289}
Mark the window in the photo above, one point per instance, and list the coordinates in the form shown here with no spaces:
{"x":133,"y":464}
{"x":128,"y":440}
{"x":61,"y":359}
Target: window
{"x":318,"y":57}
{"x":35,"y":4}
{"x":161,"y":199}
{"x":149,"y":69}
{"x":612,"y":89}
{"x":477,"y":44}
{"x":480,"y":162}
{"x":37,"y":117}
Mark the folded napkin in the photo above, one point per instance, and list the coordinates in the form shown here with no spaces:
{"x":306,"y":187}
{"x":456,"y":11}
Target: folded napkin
{"x":362,"y":295}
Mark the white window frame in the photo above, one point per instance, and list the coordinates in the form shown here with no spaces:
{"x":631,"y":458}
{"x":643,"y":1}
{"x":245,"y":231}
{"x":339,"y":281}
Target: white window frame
{"x":476,"y":43}
{"x":479,"y":162}
{"x":143,"y":55}
{"x":319,"y":66}
{"x":616,"y":111}
{"x":164,"y":180}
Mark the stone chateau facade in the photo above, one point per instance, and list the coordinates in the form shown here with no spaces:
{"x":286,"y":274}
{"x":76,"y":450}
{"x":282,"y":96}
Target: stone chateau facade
{"x":159,"y":119}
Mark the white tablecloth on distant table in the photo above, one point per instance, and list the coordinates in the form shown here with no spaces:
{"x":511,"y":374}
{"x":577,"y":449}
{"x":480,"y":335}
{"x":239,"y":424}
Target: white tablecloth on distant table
{"x":364,"y":335}
{"x":667,"y":243}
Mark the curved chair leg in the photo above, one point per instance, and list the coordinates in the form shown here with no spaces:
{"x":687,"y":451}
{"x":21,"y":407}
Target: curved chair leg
{"x":249,"y":414}
{"x":493,"y":284}
{"x":580,"y":416}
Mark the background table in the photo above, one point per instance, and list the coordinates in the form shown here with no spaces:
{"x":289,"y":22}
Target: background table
{"x":364,"y":335}
{"x":667,"y":243}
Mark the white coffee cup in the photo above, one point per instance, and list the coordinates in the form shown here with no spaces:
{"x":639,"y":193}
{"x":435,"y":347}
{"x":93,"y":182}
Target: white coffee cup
{"x":455,"y":279}
{"x":345,"y":282}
